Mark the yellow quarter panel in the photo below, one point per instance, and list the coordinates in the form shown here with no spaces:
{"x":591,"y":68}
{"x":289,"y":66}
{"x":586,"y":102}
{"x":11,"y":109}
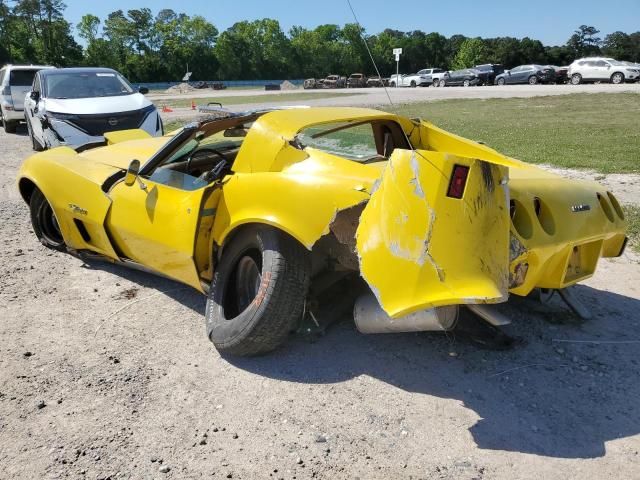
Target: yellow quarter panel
{"x":420,"y":249}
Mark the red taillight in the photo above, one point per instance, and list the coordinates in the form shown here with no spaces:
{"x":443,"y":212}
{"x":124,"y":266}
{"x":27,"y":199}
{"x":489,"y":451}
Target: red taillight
{"x":458,"y":181}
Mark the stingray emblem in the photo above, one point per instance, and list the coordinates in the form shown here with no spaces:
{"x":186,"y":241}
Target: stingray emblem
{"x":583,"y":207}
{"x":77,"y":210}
{"x":113,"y":121}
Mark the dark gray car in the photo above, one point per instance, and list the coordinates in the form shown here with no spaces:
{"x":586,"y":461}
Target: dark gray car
{"x":531,"y":74}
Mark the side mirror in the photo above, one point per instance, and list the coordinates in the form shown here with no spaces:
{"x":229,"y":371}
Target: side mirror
{"x":508,"y":72}
{"x":143,"y":90}
{"x":132,"y":173}
{"x":34,"y":95}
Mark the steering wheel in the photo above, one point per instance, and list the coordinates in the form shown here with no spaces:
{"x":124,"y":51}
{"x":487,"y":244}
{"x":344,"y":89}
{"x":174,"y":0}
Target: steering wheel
{"x":204,"y":150}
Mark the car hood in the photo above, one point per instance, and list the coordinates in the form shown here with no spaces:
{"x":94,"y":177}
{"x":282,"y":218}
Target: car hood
{"x":97,"y":105}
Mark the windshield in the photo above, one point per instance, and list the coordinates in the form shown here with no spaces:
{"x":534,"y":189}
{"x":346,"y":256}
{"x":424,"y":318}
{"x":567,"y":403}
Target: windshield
{"x":86,"y":85}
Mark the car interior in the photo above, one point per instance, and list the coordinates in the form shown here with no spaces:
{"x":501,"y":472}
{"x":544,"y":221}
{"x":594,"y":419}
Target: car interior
{"x":209,"y":155}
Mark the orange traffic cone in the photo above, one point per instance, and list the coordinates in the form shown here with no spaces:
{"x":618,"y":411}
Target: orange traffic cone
{"x":166,"y":109}
{"x":193,"y":105}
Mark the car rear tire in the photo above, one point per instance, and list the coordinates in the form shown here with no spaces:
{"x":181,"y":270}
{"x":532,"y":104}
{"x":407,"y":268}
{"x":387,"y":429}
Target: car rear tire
{"x":9,"y":127}
{"x":392,"y":84}
{"x":533,"y":80}
{"x":442,"y":83}
{"x":435,"y":83}
{"x":44,"y":222}
{"x":576,"y":79}
{"x":258,"y":292}
{"x":501,"y":81}
{"x":617,"y":78}
{"x":466,"y":83}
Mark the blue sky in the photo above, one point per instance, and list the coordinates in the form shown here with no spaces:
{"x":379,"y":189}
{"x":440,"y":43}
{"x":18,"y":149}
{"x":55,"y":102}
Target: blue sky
{"x":551,"y":21}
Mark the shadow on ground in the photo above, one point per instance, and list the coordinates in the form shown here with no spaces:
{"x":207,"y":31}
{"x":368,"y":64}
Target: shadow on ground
{"x":560,"y":405}
{"x":541,"y":397}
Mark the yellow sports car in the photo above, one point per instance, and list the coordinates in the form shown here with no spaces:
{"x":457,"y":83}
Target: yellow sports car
{"x":254,"y":209}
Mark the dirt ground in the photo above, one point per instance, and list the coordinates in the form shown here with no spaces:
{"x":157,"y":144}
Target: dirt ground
{"x":106,"y":373}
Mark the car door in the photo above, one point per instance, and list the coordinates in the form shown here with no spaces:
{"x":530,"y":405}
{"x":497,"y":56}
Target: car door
{"x":454,"y":77}
{"x":601,"y":70}
{"x":163,"y":222}
{"x":523,"y":74}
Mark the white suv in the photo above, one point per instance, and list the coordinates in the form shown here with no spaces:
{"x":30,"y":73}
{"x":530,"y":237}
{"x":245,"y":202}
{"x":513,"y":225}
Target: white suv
{"x":598,"y":69}
{"x":15,"y":82}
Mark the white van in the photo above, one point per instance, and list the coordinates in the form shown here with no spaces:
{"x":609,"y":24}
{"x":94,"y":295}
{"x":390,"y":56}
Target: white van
{"x":15,"y":82}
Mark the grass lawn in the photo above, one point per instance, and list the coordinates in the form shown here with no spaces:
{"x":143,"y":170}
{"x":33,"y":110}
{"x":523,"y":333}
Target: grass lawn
{"x":269,"y":98}
{"x":596,"y":131}
{"x":632,"y":214}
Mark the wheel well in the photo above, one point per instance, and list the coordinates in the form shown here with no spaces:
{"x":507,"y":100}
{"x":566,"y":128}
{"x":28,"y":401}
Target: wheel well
{"x":26,"y":187}
{"x":248,"y":226}
{"x":621,"y":73}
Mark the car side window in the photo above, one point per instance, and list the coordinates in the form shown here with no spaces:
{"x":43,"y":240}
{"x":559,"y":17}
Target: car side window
{"x":516,"y":70}
{"x":601,"y":63}
{"x":353,"y":141}
{"x":1,"y":76}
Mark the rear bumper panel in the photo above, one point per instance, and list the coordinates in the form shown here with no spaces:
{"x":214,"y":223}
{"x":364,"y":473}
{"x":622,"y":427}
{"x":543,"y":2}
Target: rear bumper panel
{"x":562,"y":243}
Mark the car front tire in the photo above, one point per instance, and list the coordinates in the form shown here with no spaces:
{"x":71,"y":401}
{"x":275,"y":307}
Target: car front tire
{"x":258,"y":292}
{"x":436,"y":83}
{"x":501,"y":81}
{"x":617,"y":78}
{"x":44,"y":222}
{"x":35,"y":144}
{"x":576,"y":79}
{"x":466,"y":83}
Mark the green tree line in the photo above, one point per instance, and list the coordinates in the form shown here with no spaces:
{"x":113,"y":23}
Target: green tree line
{"x":148,"y":47}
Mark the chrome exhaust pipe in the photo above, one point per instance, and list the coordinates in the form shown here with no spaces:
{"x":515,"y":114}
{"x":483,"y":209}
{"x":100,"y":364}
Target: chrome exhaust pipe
{"x":371,"y":318}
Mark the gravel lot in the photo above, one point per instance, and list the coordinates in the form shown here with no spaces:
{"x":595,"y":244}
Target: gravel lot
{"x":107,"y":373}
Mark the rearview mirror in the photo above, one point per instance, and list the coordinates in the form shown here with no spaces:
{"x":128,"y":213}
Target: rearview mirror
{"x":235,"y":132}
{"x":132,"y":173}
{"x":143,"y":90}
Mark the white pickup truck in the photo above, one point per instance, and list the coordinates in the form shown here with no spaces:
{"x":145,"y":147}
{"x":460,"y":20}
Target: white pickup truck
{"x":421,"y":79}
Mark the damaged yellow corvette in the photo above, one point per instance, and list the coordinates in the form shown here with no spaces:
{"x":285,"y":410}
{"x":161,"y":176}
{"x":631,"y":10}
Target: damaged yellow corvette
{"x":255,"y":208}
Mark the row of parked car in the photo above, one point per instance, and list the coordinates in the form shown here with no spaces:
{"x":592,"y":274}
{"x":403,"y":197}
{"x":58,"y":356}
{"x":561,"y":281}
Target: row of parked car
{"x":593,"y":69}
{"x":72,"y":106}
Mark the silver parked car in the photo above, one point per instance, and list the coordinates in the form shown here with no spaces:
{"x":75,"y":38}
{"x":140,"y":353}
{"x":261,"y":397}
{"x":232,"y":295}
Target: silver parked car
{"x":77,"y":106}
{"x":599,"y":69}
{"x":15,"y":82}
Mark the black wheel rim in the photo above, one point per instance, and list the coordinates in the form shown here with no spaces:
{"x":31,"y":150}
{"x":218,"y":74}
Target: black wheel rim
{"x":49,"y":225}
{"x":248,"y":279}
